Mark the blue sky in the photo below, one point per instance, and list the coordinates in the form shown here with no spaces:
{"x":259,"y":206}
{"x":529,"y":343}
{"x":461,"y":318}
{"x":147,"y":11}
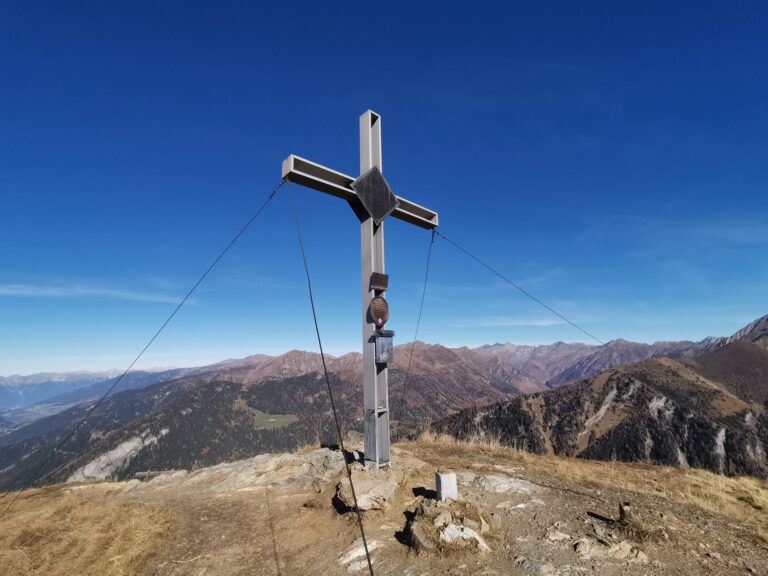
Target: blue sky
{"x":610,"y":158}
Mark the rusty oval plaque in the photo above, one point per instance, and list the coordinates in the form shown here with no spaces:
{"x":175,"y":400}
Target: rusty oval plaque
{"x":379,"y":311}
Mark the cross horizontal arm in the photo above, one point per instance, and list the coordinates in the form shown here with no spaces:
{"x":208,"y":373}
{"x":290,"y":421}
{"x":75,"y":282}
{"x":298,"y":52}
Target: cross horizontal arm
{"x":306,"y":173}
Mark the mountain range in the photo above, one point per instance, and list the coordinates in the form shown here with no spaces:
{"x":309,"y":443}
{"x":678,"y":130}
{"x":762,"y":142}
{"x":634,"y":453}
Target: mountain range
{"x":238,"y":408}
{"x":706,"y":411}
{"x":504,"y":368}
{"x":522,"y":368}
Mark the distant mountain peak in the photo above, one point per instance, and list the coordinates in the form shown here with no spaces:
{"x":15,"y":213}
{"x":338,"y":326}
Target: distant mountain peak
{"x":753,"y":331}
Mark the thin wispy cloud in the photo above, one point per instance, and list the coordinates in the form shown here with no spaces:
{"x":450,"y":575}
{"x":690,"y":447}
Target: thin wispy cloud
{"x":81,"y":291}
{"x":491,"y":286}
{"x":726,"y":230}
{"x":507,"y":321}
{"x":733,"y":232}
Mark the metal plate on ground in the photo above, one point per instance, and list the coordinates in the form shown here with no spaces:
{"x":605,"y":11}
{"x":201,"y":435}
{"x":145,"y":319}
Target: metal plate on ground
{"x":375,"y":194}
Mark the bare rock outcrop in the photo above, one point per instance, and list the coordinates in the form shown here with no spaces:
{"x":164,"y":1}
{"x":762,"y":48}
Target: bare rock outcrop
{"x":312,"y":470}
{"x":375,"y":488}
{"x":434,"y":525}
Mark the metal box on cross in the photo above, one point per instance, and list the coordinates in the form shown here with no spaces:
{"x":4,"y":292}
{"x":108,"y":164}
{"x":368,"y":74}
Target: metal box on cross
{"x":385,"y":348}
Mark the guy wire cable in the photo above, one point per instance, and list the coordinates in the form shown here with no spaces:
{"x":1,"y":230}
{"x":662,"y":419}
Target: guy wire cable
{"x":418,"y":321}
{"x":508,"y":281}
{"x":328,"y":382}
{"x":151,"y":340}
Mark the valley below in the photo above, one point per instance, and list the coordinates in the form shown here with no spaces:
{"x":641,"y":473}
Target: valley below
{"x":700,"y":405}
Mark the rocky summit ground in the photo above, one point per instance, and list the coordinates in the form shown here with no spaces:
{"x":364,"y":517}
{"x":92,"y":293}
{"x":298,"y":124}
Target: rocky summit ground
{"x":289,"y":514}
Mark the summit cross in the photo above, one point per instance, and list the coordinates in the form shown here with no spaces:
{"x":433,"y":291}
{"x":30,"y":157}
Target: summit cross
{"x":372,"y":201}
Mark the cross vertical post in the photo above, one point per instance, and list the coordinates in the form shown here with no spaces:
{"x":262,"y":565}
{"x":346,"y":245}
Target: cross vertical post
{"x":385,"y":203}
{"x":375,"y":376}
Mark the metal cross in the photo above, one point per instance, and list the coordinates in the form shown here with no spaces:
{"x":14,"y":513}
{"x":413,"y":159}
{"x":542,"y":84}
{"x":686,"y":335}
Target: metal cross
{"x":306,"y":173}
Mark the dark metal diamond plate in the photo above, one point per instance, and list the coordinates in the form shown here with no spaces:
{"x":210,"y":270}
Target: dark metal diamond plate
{"x":375,"y":194}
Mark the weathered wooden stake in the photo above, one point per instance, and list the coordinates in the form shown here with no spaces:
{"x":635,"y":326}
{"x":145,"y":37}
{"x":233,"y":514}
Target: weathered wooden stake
{"x":625,"y":512}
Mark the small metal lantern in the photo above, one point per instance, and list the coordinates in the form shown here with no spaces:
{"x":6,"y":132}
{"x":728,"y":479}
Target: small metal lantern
{"x":385,"y":350}
{"x":379,"y":311}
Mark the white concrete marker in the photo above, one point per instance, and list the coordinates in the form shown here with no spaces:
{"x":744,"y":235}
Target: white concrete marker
{"x":445,"y":483}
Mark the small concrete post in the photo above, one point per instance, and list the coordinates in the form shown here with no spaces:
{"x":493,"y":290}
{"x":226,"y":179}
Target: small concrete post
{"x":445,"y":483}
{"x":625,"y":512}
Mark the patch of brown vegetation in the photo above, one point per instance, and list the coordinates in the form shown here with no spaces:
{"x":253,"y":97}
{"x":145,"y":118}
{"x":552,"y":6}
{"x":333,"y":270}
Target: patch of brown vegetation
{"x":536,"y":407}
{"x":600,"y":380}
{"x":725,"y":401}
{"x":728,"y":404}
{"x":529,"y":386}
{"x":64,"y":531}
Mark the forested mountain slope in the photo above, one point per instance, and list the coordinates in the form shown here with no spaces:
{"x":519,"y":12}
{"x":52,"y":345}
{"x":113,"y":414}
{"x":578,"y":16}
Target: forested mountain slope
{"x":706,"y":412}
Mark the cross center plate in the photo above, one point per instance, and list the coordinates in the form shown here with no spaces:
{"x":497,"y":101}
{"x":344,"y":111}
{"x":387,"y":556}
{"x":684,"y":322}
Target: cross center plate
{"x":375,"y":194}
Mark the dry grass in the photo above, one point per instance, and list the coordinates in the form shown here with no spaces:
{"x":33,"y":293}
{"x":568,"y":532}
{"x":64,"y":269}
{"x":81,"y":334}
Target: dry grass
{"x":60,"y":531}
{"x":742,"y":499}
